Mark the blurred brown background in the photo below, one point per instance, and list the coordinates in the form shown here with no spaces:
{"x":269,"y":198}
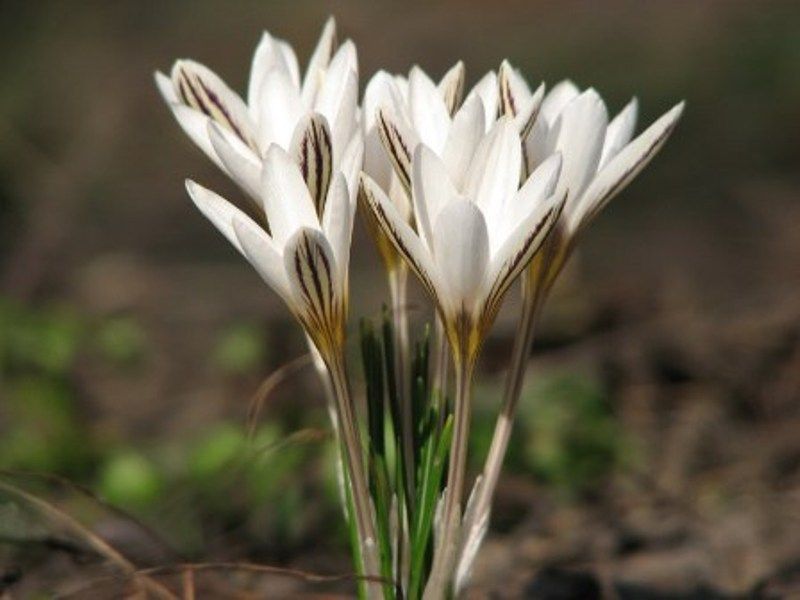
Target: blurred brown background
{"x":666,"y":380}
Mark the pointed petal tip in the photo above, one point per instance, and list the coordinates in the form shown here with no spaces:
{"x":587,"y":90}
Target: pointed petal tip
{"x":195,"y":191}
{"x":591,"y":93}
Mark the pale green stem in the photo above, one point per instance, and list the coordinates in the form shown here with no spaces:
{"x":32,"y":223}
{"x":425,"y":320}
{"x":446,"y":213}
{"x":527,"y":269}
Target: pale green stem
{"x":505,"y":421}
{"x":398,"y":279}
{"x":354,"y":458}
{"x":441,"y":361}
{"x":448,"y":543}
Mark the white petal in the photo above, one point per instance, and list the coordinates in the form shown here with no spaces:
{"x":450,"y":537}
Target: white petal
{"x":405,"y":240}
{"x":270,"y":54}
{"x":166,"y":88}
{"x":217,"y":210}
{"x":463,"y":139}
{"x":239,"y":161}
{"x":260,"y":250}
{"x":536,"y":143}
{"x":376,"y":161}
{"x":287,"y":202}
{"x":579,"y":134}
{"x":319,"y":62}
{"x":461,"y":251}
{"x":486,"y":90}
{"x":561,"y":95}
{"x":619,"y":132}
{"x":624,"y":167}
{"x":432,"y":190}
{"x":540,"y":185}
{"x":280,"y":109}
{"x":337,"y":223}
{"x":429,"y":114}
{"x":338,"y":101}
{"x":352,"y":161}
{"x":290,"y":60}
{"x":195,"y":125}
{"x":493,"y":176}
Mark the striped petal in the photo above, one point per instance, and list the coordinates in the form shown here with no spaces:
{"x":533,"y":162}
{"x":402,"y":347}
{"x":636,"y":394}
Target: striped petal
{"x":529,"y":111}
{"x":451,"y":87}
{"x":399,"y":140}
{"x":201,"y":89}
{"x":517,"y":251}
{"x":400,"y":234}
{"x":624,"y":167}
{"x":312,"y":149}
{"x":312,"y":273}
{"x":513,"y":90}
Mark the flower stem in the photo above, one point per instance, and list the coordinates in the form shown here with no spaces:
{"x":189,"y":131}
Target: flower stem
{"x":505,"y":421}
{"x":356,"y":473}
{"x":444,"y":558}
{"x":398,"y":279}
{"x":440,"y":362}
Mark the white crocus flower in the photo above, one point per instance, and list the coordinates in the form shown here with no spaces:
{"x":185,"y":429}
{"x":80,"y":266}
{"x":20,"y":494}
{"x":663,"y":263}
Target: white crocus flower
{"x":471,"y":244}
{"x":469,"y":247}
{"x":304,"y":257}
{"x":600,"y":158}
{"x":280,"y":109}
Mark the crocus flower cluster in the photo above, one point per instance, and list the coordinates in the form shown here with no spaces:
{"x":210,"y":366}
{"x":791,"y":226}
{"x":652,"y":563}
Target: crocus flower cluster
{"x":469,"y":191}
